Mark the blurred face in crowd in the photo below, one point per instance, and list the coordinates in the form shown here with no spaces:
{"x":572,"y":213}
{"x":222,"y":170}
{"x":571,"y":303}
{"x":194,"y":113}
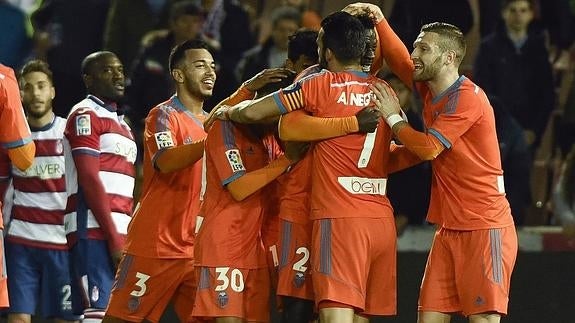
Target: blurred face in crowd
{"x":427,"y":57}
{"x":187,"y":26}
{"x":37,"y":94}
{"x":198,"y":73}
{"x":517,"y":15}
{"x":281,"y":31}
{"x":106,"y":78}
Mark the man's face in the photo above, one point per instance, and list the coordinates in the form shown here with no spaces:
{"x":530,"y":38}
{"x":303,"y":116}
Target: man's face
{"x":106,"y":79}
{"x":517,"y":15}
{"x":301,"y":63}
{"x":199,"y":71}
{"x":187,"y":26}
{"x":427,"y":57}
{"x":37,"y":94}
{"x":281,"y":31}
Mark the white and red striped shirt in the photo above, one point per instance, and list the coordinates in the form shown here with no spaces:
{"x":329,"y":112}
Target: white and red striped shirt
{"x":39,"y":193}
{"x":94,"y":128}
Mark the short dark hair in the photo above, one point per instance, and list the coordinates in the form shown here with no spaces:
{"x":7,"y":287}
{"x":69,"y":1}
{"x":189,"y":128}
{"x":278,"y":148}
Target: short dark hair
{"x":451,"y":38}
{"x":274,"y":86}
{"x":90,"y":60}
{"x":303,"y":43}
{"x":187,"y":7}
{"x":345,"y":36}
{"x":179,"y":51}
{"x":36,"y":65}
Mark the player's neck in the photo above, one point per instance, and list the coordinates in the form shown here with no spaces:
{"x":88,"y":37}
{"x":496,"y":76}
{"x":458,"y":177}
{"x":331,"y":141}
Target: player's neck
{"x":336,"y":66}
{"x":193,"y":104}
{"x":442,"y":82}
{"x":41,"y":121}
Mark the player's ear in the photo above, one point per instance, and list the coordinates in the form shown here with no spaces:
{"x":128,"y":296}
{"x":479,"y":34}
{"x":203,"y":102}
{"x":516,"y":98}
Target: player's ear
{"x":450,"y":57}
{"x":178,"y":75}
{"x":88,"y":80}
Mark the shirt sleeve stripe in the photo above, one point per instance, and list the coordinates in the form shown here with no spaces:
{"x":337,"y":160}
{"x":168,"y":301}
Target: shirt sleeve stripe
{"x":17,"y":143}
{"x":232,"y":178}
{"x":441,"y":138}
{"x":86,"y":151}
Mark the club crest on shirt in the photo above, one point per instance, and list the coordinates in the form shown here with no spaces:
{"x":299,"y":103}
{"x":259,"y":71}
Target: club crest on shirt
{"x":83,"y":125}
{"x":222,"y":299}
{"x":299,"y":279}
{"x":164,"y":139}
{"x":235,"y":160}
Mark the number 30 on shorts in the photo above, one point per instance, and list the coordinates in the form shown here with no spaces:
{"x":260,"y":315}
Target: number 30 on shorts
{"x":235,"y":279}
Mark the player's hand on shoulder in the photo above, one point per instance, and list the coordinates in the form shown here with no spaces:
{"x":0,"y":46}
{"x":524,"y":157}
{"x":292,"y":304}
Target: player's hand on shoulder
{"x":368,"y":119}
{"x":295,"y":150}
{"x":359,"y":8}
{"x":269,"y":75}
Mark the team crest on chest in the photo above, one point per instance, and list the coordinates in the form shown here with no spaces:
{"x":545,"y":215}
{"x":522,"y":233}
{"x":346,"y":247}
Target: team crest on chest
{"x":235,"y":160}
{"x":222,"y":299}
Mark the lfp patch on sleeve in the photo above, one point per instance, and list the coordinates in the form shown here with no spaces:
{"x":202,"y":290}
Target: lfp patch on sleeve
{"x":164,"y":139}
{"x":235,"y":160}
{"x":83,"y":125}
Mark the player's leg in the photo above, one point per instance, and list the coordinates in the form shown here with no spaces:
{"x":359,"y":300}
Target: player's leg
{"x":438,"y":295}
{"x":24,"y":282}
{"x":433,"y":317}
{"x":484,"y":272}
{"x":227,"y":294}
{"x":56,"y":291}
{"x":485,"y":318}
{"x":144,"y":286}
{"x":92,"y":274}
{"x":341,"y":252}
{"x":296,"y":310}
{"x":295,"y":285}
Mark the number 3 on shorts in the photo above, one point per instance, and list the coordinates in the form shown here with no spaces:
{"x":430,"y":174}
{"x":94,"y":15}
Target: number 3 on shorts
{"x":235,"y":281}
{"x":141,"y":287}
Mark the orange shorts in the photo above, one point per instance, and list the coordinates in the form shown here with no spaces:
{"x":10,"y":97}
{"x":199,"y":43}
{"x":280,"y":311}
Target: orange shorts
{"x":3,"y":277}
{"x":233,"y":292}
{"x":144,"y":287}
{"x":294,"y":266}
{"x":354,"y":263}
{"x":469,"y":272}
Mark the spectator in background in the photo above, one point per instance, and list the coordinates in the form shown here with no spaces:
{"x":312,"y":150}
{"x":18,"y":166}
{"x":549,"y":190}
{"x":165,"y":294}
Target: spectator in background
{"x":407,"y":16}
{"x":273,"y":52}
{"x":516,"y":160}
{"x":513,"y":64}
{"x":65,"y":31}
{"x":150,"y":79}
{"x":409,"y":201}
{"x":227,"y":29}
{"x":127,"y":23}
{"x":14,"y":39}
{"x":555,"y":16}
{"x":564,"y":195}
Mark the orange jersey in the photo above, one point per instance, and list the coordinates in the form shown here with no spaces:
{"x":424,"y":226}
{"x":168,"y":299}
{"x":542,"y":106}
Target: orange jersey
{"x":15,"y":131}
{"x":467,"y":191}
{"x":163,"y":225}
{"x":467,"y":186}
{"x":230,"y":232}
{"x":294,"y":201}
{"x":347,"y":171}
